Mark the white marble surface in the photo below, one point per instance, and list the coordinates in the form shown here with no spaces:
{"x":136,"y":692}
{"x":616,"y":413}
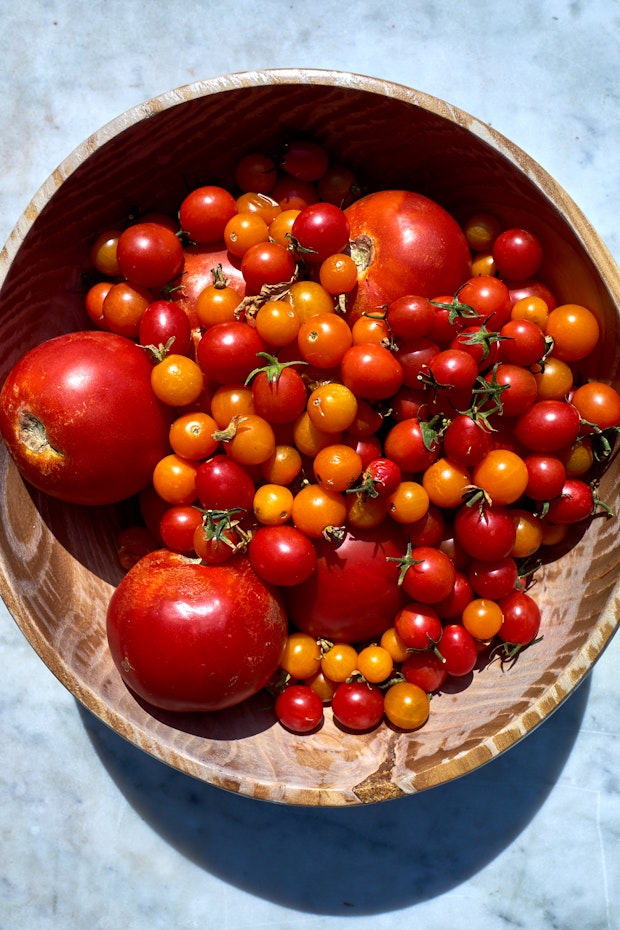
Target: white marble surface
{"x":95,"y":834}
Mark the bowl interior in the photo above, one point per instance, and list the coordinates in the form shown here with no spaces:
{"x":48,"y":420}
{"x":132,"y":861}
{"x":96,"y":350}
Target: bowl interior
{"x":58,"y":563}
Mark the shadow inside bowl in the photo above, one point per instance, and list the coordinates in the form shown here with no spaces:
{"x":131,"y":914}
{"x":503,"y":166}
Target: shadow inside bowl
{"x":417,"y":847}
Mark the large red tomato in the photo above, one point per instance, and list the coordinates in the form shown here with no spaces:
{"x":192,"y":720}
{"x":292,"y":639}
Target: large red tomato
{"x":186,"y":636}
{"x":80,"y":419}
{"x":404,"y":243}
{"x":353,"y":594}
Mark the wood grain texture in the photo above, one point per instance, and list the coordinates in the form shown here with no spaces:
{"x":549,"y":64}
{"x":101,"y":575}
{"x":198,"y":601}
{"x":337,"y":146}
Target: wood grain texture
{"x":57,"y":563}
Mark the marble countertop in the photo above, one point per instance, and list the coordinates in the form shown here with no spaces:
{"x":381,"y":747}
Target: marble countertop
{"x":96,"y":834}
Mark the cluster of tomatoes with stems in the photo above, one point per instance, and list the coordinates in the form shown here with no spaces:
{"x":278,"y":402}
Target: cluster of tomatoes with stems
{"x":456,"y":421}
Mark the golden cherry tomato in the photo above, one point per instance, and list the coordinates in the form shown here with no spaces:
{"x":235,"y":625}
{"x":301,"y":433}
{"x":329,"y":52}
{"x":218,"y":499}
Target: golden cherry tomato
{"x":481,"y":230}
{"x":503,"y":475}
{"x":177,"y":380}
{"x":322,"y":686}
{"x":103,"y":253}
{"x":370,"y":329}
{"x":217,"y":303}
{"x":308,"y":299}
{"x":339,"y":662}
{"x":310,"y":439}
{"x":395,"y":645}
{"x":375,"y":663}
{"x":364,"y":513}
{"x":554,"y":379}
{"x":282,"y":466}
{"x":302,"y":656}
{"x":553,"y":533}
{"x":529,"y":533}
{"x":575,"y":331}
{"x":534,"y":309}
{"x":406,"y":706}
{"x":579,"y":459}
{"x":263,"y":205}
{"x":445,"y":482}
{"x":272,"y":504}
{"x":323,"y":340}
{"x":281,"y":226}
{"x":338,"y":274}
{"x":483,"y":264}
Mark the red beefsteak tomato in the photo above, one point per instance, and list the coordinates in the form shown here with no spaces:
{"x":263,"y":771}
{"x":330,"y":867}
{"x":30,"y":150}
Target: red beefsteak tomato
{"x":80,"y":418}
{"x":404,"y":243}
{"x":353,"y":595}
{"x":191,"y":637}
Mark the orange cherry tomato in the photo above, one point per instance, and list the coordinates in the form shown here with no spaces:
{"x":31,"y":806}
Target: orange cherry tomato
{"x":337,"y":467}
{"x":339,"y":661}
{"x":191,"y":435}
{"x":317,"y":511}
{"x":332,"y":407}
{"x":323,"y":340}
{"x":282,"y":466}
{"x":177,"y":380}
{"x":174,"y":479}
{"x":273,"y":504}
{"x":244,"y":230}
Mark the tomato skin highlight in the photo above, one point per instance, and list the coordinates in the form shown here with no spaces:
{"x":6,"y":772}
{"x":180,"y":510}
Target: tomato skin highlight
{"x":188,"y":637}
{"x":87,"y":397}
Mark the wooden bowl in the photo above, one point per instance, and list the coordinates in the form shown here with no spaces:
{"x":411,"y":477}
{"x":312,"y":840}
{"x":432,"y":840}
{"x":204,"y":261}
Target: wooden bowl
{"x":58,"y":563}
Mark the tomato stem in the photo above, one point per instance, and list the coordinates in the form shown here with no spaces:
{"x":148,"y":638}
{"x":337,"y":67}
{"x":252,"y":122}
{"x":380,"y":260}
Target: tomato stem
{"x":405,"y":562}
{"x":273,"y":369}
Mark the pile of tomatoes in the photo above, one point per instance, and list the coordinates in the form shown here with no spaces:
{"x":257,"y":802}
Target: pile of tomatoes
{"x":388,"y":440}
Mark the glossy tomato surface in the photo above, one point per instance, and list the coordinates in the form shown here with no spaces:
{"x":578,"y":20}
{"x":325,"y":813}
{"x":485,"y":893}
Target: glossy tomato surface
{"x":353,"y":594}
{"x":80,"y":419}
{"x":192,"y":637}
{"x":404,"y":243}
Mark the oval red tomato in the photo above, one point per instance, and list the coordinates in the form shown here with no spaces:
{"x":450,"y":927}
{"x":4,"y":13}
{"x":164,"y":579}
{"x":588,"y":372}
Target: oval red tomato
{"x":191,"y":637}
{"x":80,"y":419}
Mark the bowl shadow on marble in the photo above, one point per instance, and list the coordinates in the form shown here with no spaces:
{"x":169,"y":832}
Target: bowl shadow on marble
{"x":354,"y":860}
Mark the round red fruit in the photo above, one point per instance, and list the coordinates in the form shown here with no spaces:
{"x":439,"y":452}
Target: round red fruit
{"x":191,"y":637}
{"x":80,"y":419}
